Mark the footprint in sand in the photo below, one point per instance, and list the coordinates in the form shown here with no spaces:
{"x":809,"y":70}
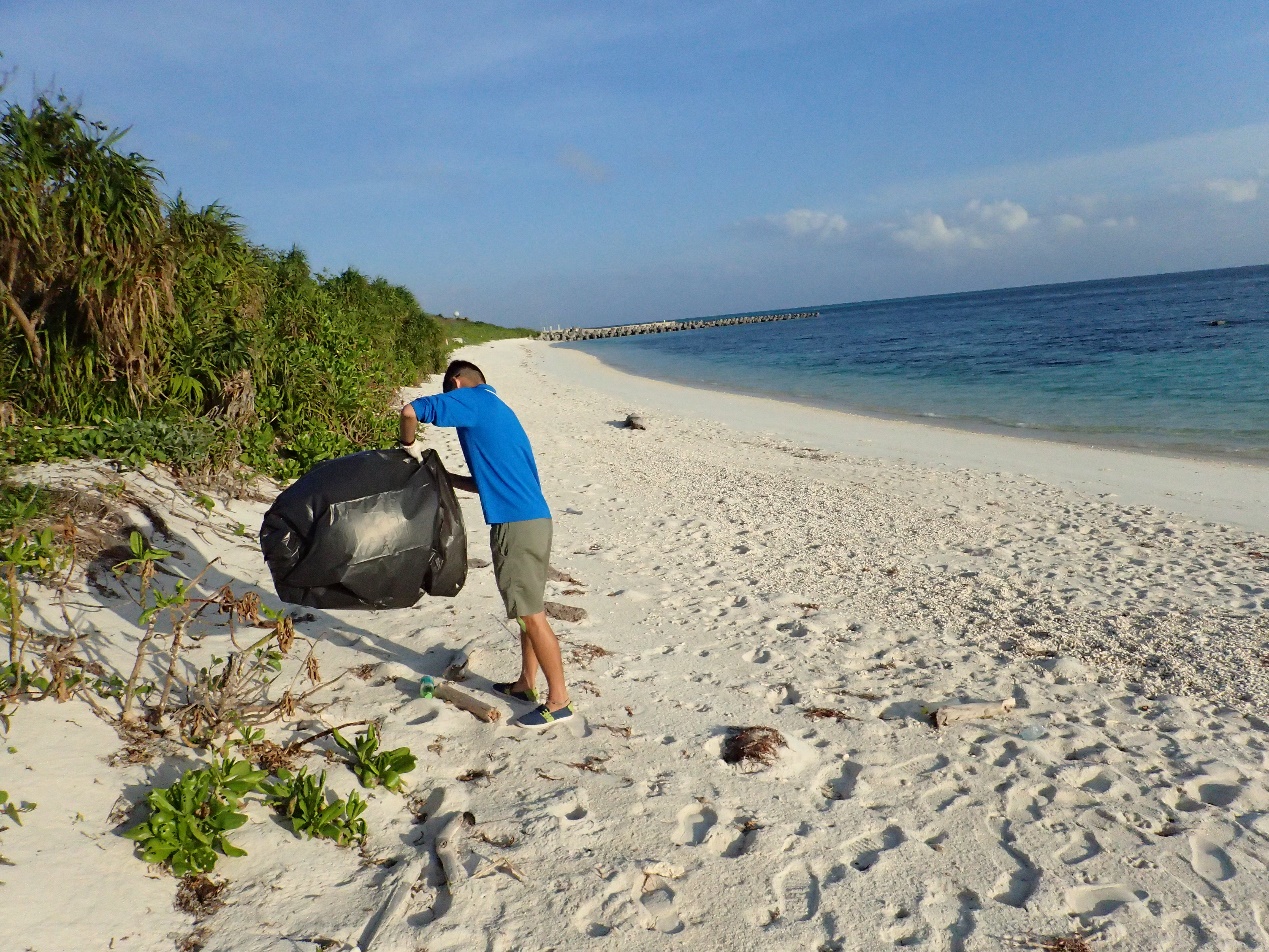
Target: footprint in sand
{"x":759,"y":655}
{"x":612,"y":908}
{"x":1091,"y":902}
{"x":574,"y":810}
{"x":797,"y":893}
{"x":868,"y":849}
{"x":1015,"y":886}
{"x":1082,"y":846}
{"x":694,"y":825}
{"x":659,"y":911}
{"x":839,"y":784}
{"x":1209,"y":860}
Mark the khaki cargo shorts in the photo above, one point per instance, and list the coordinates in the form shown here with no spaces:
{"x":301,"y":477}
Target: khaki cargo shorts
{"x":521,"y":554}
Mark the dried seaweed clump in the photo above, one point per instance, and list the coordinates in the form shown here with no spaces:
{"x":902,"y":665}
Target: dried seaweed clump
{"x":200,"y":896}
{"x":1067,"y":943}
{"x":759,"y":745}
{"x":583,"y":654}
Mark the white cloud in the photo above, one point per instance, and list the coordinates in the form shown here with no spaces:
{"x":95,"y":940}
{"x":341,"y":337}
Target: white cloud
{"x":929,"y":231}
{"x":584,"y":165}
{"x":1004,"y":215}
{"x":1069,"y":222}
{"x":1234,"y":190}
{"x":807,"y":223}
{"x":1128,"y":222}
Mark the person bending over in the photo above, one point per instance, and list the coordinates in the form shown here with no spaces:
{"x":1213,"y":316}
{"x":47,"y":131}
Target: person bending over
{"x":505,"y":476}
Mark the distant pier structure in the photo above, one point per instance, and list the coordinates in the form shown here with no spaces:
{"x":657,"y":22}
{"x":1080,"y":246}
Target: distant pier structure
{"x":664,"y":327}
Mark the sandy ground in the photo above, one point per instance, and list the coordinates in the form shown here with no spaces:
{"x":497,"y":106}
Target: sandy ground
{"x":743,"y":563}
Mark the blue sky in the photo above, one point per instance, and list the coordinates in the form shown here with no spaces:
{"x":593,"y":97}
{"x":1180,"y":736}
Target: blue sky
{"x":587,"y":163}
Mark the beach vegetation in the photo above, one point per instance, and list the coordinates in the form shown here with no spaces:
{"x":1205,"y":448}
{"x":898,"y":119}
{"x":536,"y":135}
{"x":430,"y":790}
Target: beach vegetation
{"x":13,"y":809}
{"x":374,"y":767}
{"x":141,"y":329}
{"x":313,"y":810}
{"x":21,"y":504}
{"x":189,"y":822}
{"x":463,"y":332}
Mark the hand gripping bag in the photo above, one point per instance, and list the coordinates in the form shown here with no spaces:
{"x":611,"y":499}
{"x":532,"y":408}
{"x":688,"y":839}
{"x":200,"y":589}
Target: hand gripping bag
{"x":370,"y":530}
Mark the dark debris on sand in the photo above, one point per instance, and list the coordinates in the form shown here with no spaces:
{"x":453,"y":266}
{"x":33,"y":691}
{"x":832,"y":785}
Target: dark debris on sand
{"x":200,"y":896}
{"x":753,"y":744}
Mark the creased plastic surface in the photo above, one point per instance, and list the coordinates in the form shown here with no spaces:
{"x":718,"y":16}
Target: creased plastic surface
{"x":370,"y":530}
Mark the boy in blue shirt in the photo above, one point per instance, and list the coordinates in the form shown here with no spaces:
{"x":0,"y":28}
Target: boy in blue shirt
{"x":505,"y":476}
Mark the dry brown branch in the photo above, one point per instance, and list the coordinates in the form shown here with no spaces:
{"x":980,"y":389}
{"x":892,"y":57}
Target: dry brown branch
{"x":297,"y":744}
{"x":593,"y":763}
{"x":823,"y":713}
{"x":619,"y":731}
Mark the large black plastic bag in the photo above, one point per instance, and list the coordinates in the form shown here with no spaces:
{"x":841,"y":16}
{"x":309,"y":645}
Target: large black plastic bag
{"x":370,"y":530}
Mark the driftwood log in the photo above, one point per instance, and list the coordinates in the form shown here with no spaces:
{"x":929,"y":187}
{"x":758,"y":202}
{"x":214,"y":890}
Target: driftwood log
{"x":448,"y":844}
{"x":951,"y":713}
{"x":391,"y":909}
{"x":465,"y":702}
{"x":460,"y":662}
{"x":635,"y":421}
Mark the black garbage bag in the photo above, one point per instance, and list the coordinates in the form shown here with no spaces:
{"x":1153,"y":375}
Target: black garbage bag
{"x":370,"y":530}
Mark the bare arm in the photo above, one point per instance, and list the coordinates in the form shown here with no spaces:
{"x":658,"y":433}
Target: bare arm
{"x":409,"y":425}
{"x":410,"y":429}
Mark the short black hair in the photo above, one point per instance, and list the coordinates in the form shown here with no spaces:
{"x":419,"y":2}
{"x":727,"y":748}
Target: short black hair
{"x":460,"y":368}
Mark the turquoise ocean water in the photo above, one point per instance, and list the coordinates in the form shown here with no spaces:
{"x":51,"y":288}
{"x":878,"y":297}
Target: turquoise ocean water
{"x":1177,"y":363}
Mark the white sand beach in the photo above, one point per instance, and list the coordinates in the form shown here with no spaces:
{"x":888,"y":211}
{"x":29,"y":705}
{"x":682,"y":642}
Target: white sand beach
{"x":742,"y":562}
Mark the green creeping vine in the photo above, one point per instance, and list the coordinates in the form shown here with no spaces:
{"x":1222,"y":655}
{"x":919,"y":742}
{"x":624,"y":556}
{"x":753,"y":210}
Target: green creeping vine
{"x":12,"y":810}
{"x":302,"y":798}
{"x":189,"y":820}
{"x":372,"y":767}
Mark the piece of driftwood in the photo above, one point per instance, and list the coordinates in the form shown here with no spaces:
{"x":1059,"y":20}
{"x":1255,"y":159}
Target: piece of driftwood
{"x":465,"y":702}
{"x":635,"y":421}
{"x":459,"y":663}
{"x":951,"y":713}
{"x":564,"y":612}
{"x":391,"y":910}
{"x":447,"y":851}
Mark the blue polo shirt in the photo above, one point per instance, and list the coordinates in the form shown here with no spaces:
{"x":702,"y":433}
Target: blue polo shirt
{"x":496,"y":448}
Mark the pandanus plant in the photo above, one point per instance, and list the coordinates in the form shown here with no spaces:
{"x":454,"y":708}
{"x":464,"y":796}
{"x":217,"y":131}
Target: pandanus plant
{"x":83,"y":239}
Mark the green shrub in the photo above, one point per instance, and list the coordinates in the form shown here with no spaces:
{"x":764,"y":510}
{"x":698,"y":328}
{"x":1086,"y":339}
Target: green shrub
{"x":164,"y":335}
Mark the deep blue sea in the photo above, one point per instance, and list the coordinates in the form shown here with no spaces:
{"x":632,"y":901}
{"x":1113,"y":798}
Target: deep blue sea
{"x":1130,"y":362}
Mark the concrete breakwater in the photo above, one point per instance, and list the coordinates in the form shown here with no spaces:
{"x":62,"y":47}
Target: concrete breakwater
{"x":663,"y":327}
